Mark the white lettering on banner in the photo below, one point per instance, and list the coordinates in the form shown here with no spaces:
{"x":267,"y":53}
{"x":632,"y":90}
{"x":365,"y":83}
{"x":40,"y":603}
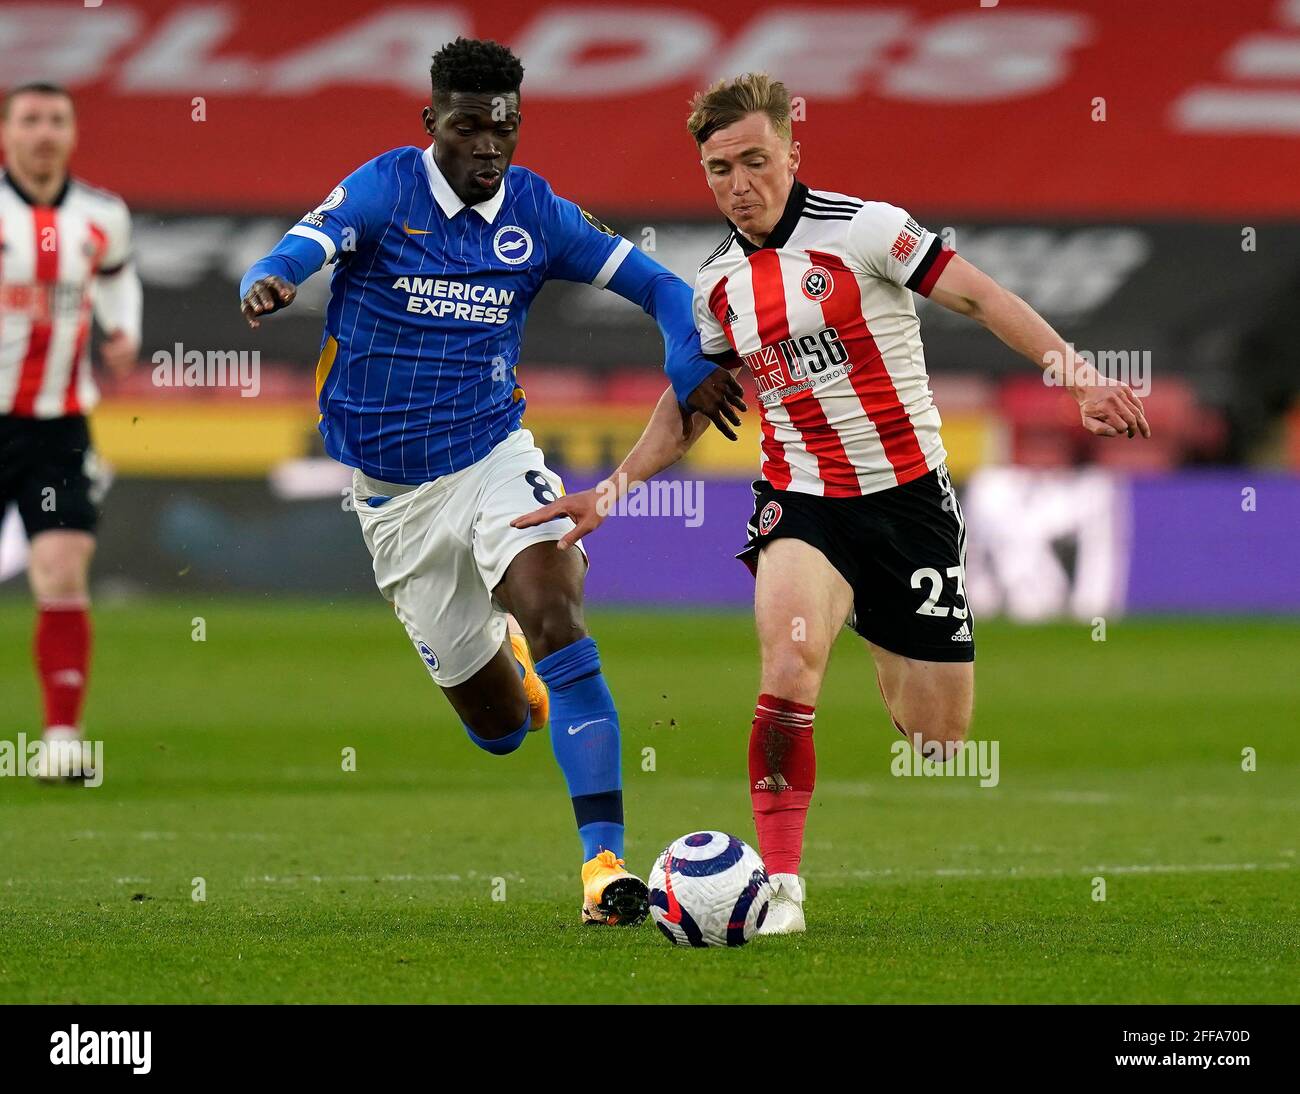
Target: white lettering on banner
{"x":819,"y":52}
{"x":379,"y":50}
{"x":1239,"y":110}
{"x":901,"y":53}
{"x":60,"y":42}
{"x":1243,"y":109}
{"x":182,"y":49}
{"x":972,"y":58}
{"x":668,"y":46}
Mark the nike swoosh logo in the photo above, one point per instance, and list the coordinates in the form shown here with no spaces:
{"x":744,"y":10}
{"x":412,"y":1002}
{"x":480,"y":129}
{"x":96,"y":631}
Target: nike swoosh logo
{"x":674,"y":913}
{"x":414,"y":231}
{"x":578,"y":729}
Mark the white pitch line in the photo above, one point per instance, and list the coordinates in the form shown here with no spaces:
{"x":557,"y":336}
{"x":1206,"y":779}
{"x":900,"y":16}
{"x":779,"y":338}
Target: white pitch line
{"x":285,"y":879}
{"x":333,"y":879}
{"x":150,"y":836}
{"x":1011,"y":872}
{"x":1030,"y":872}
{"x":951,"y":788}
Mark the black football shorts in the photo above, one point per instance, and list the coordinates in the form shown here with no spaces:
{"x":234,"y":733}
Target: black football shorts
{"x":902,"y":551}
{"x":48,"y":467}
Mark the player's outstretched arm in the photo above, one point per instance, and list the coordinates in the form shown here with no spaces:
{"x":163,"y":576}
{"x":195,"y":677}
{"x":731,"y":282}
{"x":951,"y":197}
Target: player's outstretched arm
{"x":586,"y":250}
{"x":271,"y":283}
{"x":1107,"y":407}
{"x":668,"y":436}
{"x":699,"y":384}
{"x":335,"y":229}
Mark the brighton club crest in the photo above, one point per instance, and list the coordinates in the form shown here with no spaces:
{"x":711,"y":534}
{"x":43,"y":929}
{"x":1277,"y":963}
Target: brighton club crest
{"x":427,"y":656}
{"x":817,"y":283}
{"x":512,"y":245}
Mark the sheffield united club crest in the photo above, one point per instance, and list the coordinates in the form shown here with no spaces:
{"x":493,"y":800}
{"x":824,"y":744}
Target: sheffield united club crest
{"x":817,"y":283}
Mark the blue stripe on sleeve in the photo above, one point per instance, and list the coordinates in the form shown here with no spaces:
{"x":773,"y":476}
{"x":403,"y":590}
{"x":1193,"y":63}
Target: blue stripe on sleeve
{"x":295,"y":258}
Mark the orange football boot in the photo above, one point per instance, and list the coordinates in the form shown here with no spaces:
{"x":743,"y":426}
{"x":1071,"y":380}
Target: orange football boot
{"x":611,"y":895}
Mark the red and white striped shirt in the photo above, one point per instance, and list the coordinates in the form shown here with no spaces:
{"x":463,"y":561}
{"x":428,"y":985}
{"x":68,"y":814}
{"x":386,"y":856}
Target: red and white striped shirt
{"x":822,"y":315}
{"x":50,"y":258}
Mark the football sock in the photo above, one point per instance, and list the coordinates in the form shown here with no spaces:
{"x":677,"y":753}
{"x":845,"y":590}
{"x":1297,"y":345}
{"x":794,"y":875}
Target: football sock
{"x":782,"y":772}
{"x":61,"y":646}
{"x":502,"y":746}
{"x":585,"y":739}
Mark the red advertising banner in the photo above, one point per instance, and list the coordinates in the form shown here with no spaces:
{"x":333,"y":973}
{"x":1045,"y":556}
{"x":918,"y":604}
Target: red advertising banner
{"x":1018,"y":107}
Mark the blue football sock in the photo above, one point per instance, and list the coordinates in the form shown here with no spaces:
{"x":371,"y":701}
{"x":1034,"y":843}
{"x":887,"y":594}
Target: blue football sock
{"x":502,"y":746}
{"x":585,"y":739}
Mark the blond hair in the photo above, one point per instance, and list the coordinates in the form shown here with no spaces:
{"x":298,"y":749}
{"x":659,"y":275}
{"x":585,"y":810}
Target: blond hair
{"x":727,"y":101}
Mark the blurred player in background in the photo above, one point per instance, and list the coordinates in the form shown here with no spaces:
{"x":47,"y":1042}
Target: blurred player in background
{"x":855,"y":517}
{"x":439,"y":253}
{"x":65,"y":257}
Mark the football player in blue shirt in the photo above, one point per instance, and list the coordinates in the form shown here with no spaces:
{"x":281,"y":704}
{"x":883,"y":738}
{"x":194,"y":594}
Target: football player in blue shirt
{"x":438,"y":253}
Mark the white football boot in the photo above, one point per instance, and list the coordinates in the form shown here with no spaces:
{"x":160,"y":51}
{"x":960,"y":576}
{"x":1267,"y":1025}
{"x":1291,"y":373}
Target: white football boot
{"x":785,"y":912}
{"x":64,"y":757}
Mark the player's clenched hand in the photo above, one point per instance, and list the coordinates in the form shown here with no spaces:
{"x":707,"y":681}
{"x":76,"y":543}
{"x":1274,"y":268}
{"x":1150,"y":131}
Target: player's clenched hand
{"x":265,"y":295}
{"x":718,"y":398}
{"x":587,"y":509}
{"x":1109,"y":408}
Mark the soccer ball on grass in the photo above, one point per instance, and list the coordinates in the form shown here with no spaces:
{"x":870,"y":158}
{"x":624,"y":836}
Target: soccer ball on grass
{"x":709,"y":889}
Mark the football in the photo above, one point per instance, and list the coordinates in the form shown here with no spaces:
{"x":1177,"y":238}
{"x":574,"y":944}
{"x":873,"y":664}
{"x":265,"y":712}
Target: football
{"x":709,"y":889}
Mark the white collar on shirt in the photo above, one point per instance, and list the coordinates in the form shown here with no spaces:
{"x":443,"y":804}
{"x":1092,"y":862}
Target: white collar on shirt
{"x":446,"y":197}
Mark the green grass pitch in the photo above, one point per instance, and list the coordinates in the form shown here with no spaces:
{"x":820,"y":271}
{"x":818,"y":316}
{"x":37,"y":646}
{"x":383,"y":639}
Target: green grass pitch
{"x":224,"y":761}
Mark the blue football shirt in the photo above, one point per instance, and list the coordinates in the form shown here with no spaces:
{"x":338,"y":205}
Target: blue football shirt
{"x":416,"y":376}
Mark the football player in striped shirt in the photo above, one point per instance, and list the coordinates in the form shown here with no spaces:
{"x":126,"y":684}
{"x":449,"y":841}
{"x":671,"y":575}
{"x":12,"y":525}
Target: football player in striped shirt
{"x":855,"y":519}
{"x":65,"y":260}
{"x":438,"y":254}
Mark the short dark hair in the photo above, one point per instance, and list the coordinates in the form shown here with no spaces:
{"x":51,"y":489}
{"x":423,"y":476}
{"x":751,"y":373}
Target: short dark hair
{"x":475,"y":65}
{"x":37,"y":87}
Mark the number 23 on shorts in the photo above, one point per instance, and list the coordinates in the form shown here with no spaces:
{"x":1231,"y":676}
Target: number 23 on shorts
{"x":929,"y":575}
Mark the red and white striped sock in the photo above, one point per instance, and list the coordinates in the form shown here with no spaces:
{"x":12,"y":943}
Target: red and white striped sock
{"x":62,"y":651}
{"x":782,"y":773}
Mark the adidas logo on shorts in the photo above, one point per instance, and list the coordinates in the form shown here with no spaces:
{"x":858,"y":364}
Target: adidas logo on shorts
{"x":772,"y":782}
{"x":963,"y":633}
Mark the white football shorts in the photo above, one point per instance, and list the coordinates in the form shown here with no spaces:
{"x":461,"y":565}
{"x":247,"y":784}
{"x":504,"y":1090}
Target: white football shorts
{"x":440,"y":549}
